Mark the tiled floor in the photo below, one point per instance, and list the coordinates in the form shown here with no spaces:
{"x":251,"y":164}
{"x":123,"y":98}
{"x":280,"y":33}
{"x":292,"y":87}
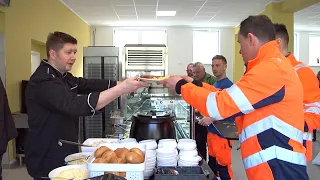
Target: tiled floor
{"x":20,"y":173}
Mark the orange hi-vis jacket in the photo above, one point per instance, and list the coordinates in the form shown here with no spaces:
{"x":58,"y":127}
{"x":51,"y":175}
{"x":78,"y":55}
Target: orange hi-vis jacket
{"x":268,"y":103}
{"x":311,"y":100}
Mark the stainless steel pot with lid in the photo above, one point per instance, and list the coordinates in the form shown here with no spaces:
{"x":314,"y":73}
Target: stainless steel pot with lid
{"x":153,"y":124}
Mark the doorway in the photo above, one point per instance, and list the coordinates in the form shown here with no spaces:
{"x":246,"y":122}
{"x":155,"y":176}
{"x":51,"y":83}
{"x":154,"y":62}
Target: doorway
{"x":35,"y":61}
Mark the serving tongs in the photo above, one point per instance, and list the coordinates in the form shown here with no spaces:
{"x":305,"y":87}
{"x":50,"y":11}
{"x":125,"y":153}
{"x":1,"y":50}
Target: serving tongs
{"x":61,"y":141}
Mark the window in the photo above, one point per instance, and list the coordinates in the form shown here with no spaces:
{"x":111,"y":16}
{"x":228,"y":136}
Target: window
{"x":206,"y":44}
{"x":296,"y":45}
{"x":122,"y":37}
{"x":314,"y":53}
{"x":154,"y":37}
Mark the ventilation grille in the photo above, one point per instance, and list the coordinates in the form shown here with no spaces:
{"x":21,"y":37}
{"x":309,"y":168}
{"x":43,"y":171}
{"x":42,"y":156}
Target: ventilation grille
{"x":145,"y":58}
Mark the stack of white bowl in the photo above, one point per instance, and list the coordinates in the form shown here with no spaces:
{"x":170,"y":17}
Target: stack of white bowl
{"x":167,"y":153}
{"x":151,"y":146}
{"x":188,"y":154}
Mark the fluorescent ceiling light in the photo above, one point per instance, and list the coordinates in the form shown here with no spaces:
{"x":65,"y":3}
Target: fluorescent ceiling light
{"x":166,"y":13}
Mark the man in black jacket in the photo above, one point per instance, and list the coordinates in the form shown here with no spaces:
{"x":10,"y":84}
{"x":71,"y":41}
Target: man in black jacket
{"x":8,"y":130}
{"x":55,"y":99}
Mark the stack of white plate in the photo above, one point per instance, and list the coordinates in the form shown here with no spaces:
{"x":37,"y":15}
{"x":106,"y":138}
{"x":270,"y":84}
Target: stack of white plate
{"x":188,"y":154}
{"x":151,"y":156}
{"x":189,"y":161}
{"x":167,"y":154}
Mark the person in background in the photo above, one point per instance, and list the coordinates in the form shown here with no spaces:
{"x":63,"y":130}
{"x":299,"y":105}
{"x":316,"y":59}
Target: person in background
{"x":318,"y":76}
{"x":199,"y":73}
{"x":311,"y":91}
{"x":189,"y":69}
{"x":266,"y":101}
{"x":55,"y":99}
{"x":219,"y":147}
{"x":8,"y":129}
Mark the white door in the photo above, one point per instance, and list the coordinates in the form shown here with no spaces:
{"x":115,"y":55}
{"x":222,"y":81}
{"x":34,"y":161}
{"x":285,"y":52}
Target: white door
{"x":2,"y":59}
{"x":35,"y":61}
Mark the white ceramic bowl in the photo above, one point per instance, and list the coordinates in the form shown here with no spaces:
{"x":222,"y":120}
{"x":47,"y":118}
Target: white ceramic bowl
{"x":150,"y":166}
{"x":167,"y":162}
{"x":148,"y":173}
{"x":192,"y":153}
{"x":58,"y":170}
{"x":151,"y":153}
{"x":151,"y":144}
{"x":190,"y":159}
{"x":168,"y":157}
{"x":187,"y":146}
{"x":187,"y":164}
{"x":151,"y":159}
{"x":166,"y":151}
{"x":186,"y":140}
{"x":167,"y":143}
{"x":76,"y":156}
{"x":167,"y":165}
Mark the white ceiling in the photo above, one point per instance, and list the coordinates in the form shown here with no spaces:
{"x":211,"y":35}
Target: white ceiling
{"x":308,"y":19}
{"x":203,"y":13}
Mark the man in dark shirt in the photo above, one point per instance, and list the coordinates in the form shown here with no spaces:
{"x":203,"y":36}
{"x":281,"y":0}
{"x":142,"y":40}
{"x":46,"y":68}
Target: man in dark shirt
{"x":8,"y":130}
{"x":219,"y":148}
{"x":55,"y":99}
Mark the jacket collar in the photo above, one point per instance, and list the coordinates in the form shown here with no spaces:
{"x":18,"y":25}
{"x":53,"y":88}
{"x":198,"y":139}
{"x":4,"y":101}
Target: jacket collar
{"x":51,"y":70}
{"x":266,"y":51}
{"x":293,"y":60}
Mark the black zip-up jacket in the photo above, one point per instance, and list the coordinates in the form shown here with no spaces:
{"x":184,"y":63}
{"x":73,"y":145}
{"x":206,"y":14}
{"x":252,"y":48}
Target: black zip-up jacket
{"x":8,"y":129}
{"x":54,"y":105}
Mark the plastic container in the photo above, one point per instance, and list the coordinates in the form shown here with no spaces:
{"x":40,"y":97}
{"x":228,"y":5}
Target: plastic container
{"x":91,"y":141}
{"x":185,"y":173}
{"x":133,"y":171}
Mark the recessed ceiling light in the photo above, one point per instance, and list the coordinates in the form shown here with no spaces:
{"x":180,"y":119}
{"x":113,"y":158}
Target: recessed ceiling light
{"x":166,"y":13}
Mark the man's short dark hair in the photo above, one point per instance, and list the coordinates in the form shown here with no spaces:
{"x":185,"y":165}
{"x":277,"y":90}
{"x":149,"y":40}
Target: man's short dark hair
{"x":260,"y":26}
{"x":282,"y":32}
{"x":224,"y":60}
{"x":57,"y":39}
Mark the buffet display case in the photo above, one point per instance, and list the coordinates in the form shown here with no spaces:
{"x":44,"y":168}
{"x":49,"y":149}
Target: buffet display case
{"x":142,"y":102}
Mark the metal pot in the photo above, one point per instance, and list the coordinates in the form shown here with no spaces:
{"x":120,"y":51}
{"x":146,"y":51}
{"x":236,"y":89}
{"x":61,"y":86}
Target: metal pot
{"x":153,"y":125}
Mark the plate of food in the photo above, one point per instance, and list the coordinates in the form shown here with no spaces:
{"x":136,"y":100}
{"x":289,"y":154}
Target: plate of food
{"x":75,"y":172}
{"x":152,"y":78}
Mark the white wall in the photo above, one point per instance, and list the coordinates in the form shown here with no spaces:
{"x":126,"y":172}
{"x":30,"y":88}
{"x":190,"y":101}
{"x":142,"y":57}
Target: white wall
{"x":304,"y":49}
{"x":180,"y":46}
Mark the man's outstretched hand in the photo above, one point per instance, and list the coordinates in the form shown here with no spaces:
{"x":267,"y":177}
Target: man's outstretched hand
{"x":172,"y":81}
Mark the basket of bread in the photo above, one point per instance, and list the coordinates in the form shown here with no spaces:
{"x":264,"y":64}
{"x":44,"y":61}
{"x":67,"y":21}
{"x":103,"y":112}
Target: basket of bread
{"x":125,"y":160}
